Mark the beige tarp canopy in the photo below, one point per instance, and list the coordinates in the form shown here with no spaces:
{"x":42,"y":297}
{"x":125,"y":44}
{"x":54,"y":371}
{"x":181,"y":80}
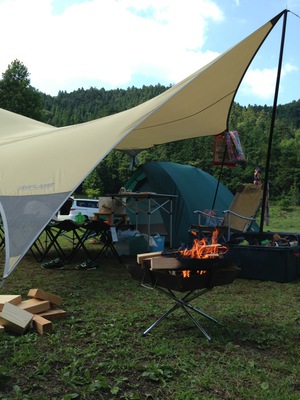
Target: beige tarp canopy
{"x":40,"y":165}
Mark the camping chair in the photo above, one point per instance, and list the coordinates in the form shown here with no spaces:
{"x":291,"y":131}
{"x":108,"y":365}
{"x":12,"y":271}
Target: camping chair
{"x":50,"y":240}
{"x":239,"y":216}
{"x":99,"y":228}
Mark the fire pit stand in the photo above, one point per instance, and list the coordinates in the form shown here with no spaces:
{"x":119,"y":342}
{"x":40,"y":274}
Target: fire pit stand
{"x":184,"y":304}
{"x":167,"y":275}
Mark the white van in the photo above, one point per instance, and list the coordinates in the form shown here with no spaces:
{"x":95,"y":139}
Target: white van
{"x":72,"y":207}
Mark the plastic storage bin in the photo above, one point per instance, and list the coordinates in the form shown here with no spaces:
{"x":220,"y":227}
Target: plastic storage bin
{"x":259,"y":261}
{"x":160,"y":243}
{"x":138,"y":244}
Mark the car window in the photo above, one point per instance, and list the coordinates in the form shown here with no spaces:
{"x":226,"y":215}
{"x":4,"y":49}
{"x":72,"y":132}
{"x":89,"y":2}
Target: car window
{"x":87,"y":204}
{"x":93,"y":204}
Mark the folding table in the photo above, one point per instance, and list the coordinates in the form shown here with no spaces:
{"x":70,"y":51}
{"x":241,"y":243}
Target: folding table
{"x":147,"y":203}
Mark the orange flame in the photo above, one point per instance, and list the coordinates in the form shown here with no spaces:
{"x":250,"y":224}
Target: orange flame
{"x":187,"y":273}
{"x":201,"y":249}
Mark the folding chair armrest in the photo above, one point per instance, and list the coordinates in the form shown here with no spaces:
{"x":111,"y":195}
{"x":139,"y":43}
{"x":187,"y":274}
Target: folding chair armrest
{"x":207,"y":215}
{"x":229,"y":212}
{"x":201,"y":212}
{"x":238,"y":215}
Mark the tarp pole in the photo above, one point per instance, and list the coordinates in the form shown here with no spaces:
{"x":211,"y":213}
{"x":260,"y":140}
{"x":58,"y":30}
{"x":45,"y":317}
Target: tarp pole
{"x":219,"y":178}
{"x":267,"y":167}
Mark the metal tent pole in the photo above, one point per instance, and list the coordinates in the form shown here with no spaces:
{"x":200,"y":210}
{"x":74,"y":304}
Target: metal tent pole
{"x":267,"y":167}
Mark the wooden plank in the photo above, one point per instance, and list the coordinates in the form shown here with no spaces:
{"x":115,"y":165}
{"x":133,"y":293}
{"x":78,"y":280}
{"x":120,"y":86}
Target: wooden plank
{"x":9,"y":298}
{"x":14,"y":318}
{"x":41,"y":324}
{"x":165,"y":263}
{"x":34,"y":306}
{"x":43,"y":295}
{"x":140,"y":257}
{"x":53,"y":313}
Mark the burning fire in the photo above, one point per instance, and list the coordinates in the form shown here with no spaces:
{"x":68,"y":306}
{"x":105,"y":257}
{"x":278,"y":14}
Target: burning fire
{"x":187,"y":273}
{"x":202,"y":250}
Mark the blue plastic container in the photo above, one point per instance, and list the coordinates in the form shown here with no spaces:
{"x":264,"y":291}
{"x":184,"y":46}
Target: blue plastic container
{"x":160,"y":243}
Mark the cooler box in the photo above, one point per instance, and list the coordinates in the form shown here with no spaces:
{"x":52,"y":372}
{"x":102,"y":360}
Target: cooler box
{"x":259,"y":261}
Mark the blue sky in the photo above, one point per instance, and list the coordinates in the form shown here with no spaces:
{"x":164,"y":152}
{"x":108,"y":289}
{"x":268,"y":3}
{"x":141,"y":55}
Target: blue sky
{"x":71,"y":44}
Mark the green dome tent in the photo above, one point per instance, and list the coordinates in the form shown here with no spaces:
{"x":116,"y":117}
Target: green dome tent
{"x":195,"y":190}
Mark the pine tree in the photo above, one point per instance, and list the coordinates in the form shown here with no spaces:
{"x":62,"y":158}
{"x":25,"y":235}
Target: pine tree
{"x":16,"y":93}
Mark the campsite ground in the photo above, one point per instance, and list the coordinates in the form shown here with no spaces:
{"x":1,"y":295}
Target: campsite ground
{"x":98,"y":352}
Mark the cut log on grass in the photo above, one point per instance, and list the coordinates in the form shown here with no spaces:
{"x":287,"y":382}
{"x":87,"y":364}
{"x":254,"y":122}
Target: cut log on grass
{"x":53,"y":313}
{"x":36,"y":312}
{"x":43,"y":295}
{"x":14,"y":318}
{"x":41,"y":324}
{"x":34,"y":306}
{"x":9,"y":298}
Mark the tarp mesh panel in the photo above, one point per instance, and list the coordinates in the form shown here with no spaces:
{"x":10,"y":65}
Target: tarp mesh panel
{"x":24,"y":218}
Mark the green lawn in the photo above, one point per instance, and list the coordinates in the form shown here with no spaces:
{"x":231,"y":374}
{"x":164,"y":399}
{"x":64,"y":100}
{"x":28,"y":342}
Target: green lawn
{"x":284,"y":220}
{"x":98,"y":352}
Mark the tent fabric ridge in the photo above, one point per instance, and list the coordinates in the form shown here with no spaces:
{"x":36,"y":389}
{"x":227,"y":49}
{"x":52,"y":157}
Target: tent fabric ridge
{"x":188,"y":82}
{"x":187,"y":116}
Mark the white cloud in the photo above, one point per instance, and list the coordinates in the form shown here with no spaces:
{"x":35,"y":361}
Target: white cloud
{"x":105,"y":43}
{"x":261,"y":82}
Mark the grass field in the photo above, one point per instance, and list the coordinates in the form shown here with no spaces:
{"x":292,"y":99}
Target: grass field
{"x":98,"y":352}
{"x":284,"y":220}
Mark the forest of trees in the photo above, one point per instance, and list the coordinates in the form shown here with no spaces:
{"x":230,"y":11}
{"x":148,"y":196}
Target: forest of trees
{"x":251,"y":122}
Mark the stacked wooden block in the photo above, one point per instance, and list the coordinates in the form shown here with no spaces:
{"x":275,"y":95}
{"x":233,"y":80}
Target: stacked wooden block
{"x":37,"y":312}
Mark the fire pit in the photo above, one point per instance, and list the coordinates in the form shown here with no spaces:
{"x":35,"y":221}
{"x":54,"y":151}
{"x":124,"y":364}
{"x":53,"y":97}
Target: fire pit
{"x":181,"y":277}
{"x":194,"y":271}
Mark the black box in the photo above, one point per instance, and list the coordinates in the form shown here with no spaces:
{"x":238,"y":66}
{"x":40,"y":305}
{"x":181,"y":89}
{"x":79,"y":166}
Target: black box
{"x":261,"y":257}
